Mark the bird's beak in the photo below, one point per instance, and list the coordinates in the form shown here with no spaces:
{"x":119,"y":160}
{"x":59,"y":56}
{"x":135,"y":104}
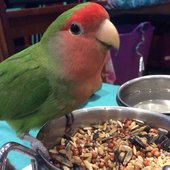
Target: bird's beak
{"x":108,"y":35}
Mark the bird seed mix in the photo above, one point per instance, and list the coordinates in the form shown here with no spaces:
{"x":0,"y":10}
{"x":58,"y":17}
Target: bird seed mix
{"x":114,"y":145}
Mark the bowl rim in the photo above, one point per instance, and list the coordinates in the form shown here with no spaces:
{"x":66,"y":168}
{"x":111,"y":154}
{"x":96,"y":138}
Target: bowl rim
{"x":137,"y":113}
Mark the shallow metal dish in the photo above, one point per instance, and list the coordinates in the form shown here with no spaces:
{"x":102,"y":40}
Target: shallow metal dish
{"x":148,"y":92}
{"x":53,"y":131}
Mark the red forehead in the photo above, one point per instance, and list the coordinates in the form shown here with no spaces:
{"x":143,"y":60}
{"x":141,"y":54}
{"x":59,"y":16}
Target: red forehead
{"x":90,"y":13}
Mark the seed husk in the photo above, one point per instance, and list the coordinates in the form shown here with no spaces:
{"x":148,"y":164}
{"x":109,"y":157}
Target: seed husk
{"x":128,"y":157}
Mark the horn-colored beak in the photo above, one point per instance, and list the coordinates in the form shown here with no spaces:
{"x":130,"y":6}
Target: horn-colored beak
{"x":108,"y":34}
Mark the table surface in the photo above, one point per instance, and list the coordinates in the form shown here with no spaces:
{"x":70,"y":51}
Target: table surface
{"x":106,"y":96}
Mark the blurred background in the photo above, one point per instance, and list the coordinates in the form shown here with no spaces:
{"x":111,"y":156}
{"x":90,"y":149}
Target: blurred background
{"x":144,"y":28}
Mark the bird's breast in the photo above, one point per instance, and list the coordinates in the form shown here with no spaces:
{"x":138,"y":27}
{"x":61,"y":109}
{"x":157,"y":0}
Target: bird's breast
{"x":83,"y":90}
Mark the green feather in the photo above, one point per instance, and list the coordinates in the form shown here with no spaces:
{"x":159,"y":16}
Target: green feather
{"x":32,"y":90}
{"x":30,"y":94}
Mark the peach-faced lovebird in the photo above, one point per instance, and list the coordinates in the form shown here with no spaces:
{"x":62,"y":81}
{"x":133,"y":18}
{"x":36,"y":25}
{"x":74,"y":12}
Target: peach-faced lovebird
{"x":56,"y":75}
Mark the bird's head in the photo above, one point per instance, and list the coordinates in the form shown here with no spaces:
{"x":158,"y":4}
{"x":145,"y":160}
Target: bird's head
{"x":81,"y":37}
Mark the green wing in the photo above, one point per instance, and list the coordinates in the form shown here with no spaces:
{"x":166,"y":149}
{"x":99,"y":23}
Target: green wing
{"x":24,"y":86}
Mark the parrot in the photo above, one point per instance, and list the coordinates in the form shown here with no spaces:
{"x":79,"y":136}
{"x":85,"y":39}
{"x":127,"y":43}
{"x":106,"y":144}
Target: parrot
{"x":58,"y":74}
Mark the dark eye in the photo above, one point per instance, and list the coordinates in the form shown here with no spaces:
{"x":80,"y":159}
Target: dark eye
{"x":75,"y":29}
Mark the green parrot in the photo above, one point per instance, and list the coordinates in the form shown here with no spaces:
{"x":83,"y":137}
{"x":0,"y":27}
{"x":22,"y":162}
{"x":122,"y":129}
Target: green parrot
{"x":56,"y":75}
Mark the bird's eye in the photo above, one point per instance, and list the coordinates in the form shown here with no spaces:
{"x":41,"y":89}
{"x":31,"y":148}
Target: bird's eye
{"x":75,"y":29}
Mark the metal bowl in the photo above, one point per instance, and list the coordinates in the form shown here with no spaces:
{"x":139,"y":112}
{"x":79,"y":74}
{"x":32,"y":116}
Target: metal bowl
{"x":53,"y":131}
{"x":148,"y":92}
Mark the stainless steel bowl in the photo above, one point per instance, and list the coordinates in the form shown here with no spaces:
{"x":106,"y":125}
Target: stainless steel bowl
{"x":148,"y":92}
{"x":52,"y":132}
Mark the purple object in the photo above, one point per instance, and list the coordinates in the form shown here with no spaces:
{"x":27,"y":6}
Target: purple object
{"x":126,"y":62}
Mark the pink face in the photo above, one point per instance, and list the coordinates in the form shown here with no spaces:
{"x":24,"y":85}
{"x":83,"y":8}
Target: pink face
{"x":80,"y":53}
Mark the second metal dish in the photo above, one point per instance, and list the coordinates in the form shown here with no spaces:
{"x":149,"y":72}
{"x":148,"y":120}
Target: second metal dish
{"x":147,"y":92}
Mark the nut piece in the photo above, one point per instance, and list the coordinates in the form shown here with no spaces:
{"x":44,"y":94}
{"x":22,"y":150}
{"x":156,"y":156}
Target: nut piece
{"x":88,"y":165}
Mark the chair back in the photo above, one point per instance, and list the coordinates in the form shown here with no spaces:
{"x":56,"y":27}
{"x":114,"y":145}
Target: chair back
{"x":24,"y":27}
